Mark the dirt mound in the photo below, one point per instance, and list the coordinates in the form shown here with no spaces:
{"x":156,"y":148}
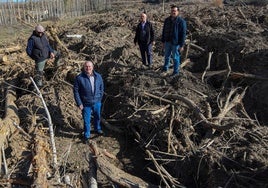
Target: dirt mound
{"x":206,"y":127}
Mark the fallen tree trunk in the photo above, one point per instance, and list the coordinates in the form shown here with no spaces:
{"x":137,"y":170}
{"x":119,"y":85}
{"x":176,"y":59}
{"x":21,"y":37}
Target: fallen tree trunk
{"x":11,"y":116}
{"x":40,"y":165}
{"x":115,"y":174}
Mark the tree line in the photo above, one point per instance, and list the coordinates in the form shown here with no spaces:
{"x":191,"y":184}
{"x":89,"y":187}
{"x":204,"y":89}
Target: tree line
{"x":29,"y":11}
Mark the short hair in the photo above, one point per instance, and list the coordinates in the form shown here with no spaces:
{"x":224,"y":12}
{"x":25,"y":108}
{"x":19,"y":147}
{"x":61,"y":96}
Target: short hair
{"x":174,"y":6}
{"x":89,"y":62}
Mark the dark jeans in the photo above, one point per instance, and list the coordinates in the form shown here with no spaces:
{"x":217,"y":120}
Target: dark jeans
{"x":146,"y":50}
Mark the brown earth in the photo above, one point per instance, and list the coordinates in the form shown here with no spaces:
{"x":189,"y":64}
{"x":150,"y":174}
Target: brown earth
{"x":201,"y":129}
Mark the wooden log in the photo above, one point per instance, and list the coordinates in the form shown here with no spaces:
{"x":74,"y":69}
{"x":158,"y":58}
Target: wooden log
{"x":238,"y":75}
{"x":40,"y":165}
{"x":3,"y":58}
{"x":10,"y":49}
{"x":115,"y":174}
{"x":11,"y":116}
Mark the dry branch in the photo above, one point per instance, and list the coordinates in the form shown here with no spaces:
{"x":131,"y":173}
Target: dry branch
{"x":197,"y":47}
{"x":53,"y":33}
{"x":170,"y":127}
{"x":194,"y":108}
{"x":110,"y":127}
{"x":160,"y":110}
{"x":3,"y":58}
{"x":236,"y":75}
{"x":231,"y":101}
{"x":10,"y":49}
{"x":51,"y":131}
{"x":208,"y":65}
{"x":115,"y":174}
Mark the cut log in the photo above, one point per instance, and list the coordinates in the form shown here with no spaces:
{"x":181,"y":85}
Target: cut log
{"x":115,"y":174}
{"x":40,"y":165}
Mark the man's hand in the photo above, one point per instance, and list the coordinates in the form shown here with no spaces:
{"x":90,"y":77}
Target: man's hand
{"x":181,"y":49}
{"x":163,"y":47}
{"x":52,"y":55}
{"x":81,"y":107}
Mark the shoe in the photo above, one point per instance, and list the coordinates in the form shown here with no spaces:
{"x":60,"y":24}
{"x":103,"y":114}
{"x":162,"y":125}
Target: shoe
{"x":174,"y":74}
{"x":86,"y":140}
{"x":163,"y":73}
{"x":100,"y":132}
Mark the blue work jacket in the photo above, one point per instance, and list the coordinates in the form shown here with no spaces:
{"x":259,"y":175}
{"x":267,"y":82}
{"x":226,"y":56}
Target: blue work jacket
{"x":83,"y":89}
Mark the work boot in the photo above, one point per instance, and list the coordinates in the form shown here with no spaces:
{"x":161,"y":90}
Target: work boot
{"x":38,"y":79}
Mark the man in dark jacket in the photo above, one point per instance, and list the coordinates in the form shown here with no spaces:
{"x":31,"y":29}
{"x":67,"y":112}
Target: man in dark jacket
{"x":88,"y":92}
{"x":40,"y":51}
{"x":145,"y":38}
{"x":173,"y":38}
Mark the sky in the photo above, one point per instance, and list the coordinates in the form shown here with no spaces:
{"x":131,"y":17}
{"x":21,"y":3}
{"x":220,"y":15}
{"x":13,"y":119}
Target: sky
{"x":4,"y":1}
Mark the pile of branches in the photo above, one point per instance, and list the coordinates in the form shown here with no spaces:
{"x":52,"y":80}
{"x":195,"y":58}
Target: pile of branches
{"x":189,"y":134}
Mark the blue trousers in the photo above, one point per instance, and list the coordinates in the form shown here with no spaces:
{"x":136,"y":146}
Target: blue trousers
{"x":146,"y":52}
{"x":86,"y":112}
{"x":173,"y":50}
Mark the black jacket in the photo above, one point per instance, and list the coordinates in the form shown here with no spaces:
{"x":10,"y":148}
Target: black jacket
{"x":38,"y":48}
{"x":149,"y":36}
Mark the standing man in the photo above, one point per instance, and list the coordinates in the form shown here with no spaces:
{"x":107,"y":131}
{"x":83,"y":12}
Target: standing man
{"x":173,"y":39}
{"x":145,"y":38}
{"x":40,"y":51}
{"x":88,"y":92}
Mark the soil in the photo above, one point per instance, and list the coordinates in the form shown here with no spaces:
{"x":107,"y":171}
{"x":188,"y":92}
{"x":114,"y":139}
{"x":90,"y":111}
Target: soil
{"x":192,"y":151}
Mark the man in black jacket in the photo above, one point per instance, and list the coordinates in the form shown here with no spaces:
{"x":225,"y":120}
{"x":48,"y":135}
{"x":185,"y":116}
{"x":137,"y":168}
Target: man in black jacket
{"x":145,"y":38}
{"x":40,"y":51}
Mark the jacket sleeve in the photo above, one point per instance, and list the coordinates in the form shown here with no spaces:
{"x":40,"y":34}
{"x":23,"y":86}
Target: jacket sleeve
{"x":101,"y":86}
{"x":182,"y":32}
{"x":151,"y":33}
{"x":29,"y":47}
{"x":136,"y":34}
{"x":163,"y":31}
{"x":76,"y":92}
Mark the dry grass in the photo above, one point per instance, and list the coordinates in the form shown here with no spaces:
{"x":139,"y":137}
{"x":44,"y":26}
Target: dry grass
{"x":12,"y":34}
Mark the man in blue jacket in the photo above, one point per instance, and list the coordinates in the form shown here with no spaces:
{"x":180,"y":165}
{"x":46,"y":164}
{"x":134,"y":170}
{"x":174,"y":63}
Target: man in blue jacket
{"x":145,"y":38}
{"x":40,"y":51}
{"x":88,"y":92}
{"x":173,"y":39}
